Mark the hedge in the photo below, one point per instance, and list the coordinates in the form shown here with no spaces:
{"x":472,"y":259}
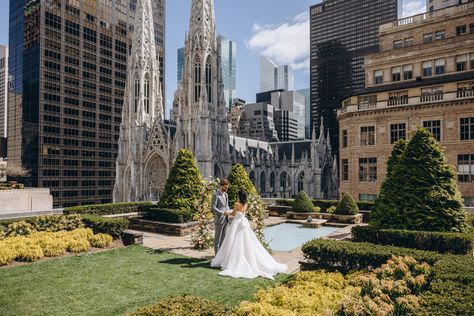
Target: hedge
{"x":454,"y":243}
{"x":109,"y":209}
{"x":347,"y":256}
{"x":170,"y":216}
{"x":184,"y":305}
{"x":111,"y":226}
{"x":325,"y":204}
{"x":51,"y":223}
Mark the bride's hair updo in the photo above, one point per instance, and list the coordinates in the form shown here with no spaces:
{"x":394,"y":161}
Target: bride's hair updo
{"x":242,"y":196}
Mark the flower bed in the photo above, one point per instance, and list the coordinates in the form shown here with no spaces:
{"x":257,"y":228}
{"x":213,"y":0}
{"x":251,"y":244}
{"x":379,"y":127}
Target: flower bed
{"x":50,"y":244}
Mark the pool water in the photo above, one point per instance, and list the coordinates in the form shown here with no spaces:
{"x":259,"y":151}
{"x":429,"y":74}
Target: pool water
{"x":286,"y":237}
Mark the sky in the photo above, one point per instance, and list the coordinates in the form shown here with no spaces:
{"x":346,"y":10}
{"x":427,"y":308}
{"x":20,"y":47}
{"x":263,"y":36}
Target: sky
{"x":278,"y":29}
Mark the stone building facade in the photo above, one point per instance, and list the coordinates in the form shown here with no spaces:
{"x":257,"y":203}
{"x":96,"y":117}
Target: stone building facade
{"x":148,"y":145}
{"x":423,"y":76}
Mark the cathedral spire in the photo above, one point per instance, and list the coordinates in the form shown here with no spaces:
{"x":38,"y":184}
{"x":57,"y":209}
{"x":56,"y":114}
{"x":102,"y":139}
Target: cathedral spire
{"x":202,"y":20}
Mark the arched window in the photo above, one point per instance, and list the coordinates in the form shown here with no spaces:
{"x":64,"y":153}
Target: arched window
{"x":137,"y":93}
{"x":272,"y":182}
{"x":252,"y":177}
{"x":283,"y":181}
{"x":301,"y":182}
{"x":263,"y":179}
{"x":147,"y":93}
{"x":209,"y":80}
{"x":197,"y":79}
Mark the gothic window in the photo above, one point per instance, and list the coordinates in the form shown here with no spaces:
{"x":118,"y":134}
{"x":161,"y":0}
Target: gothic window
{"x":137,"y":92}
{"x":263,"y":188}
{"x":283,"y":182}
{"x":147,"y":94}
{"x":209,"y":80}
{"x":252,"y":177}
{"x":197,"y":79}
{"x":272,"y":182}
{"x":301,"y":182}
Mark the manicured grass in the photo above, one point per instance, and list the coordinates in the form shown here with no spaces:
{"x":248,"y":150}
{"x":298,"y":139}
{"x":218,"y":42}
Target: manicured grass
{"x":114,"y":282}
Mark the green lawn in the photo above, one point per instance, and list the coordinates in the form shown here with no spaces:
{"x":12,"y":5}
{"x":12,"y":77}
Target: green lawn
{"x":113,"y":283}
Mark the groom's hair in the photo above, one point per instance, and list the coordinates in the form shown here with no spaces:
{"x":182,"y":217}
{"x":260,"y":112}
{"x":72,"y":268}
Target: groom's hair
{"x":224,"y":182}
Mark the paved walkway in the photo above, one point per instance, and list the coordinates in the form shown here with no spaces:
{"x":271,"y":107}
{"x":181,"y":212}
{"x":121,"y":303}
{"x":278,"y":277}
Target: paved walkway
{"x":182,"y":246}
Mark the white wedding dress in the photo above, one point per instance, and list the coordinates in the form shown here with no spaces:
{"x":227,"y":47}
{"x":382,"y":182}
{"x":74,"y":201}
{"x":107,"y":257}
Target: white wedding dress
{"x":242,"y":255}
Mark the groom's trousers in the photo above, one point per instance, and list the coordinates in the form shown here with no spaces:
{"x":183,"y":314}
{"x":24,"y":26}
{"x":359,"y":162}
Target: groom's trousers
{"x":219,"y":235}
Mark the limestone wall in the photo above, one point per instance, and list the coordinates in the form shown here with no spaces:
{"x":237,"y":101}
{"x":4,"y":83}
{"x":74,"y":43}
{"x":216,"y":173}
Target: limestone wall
{"x":26,"y":200}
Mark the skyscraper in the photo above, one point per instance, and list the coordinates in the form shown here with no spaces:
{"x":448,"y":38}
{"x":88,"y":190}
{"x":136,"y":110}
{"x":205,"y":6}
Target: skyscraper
{"x":3,"y":90}
{"x":342,"y":33}
{"x":274,"y":77}
{"x":228,"y":62}
{"x":307,"y":111}
{"x":432,"y":5}
{"x":69,"y":68}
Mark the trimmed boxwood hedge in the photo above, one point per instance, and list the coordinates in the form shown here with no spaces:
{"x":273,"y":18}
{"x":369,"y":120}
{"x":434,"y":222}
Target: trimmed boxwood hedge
{"x":325,"y":204}
{"x":170,"y":216}
{"x":105,"y":225}
{"x":109,"y":209}
{"x":346,"y":255}
{"x":455,"y":243}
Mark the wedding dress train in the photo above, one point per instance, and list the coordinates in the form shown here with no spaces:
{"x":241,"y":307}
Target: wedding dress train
{"x":243,"y":256}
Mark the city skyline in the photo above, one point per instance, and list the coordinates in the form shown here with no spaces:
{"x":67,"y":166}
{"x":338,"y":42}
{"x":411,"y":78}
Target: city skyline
{"x":272,"y":33}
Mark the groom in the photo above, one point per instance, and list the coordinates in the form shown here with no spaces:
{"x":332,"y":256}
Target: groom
{"x":220,"y":207}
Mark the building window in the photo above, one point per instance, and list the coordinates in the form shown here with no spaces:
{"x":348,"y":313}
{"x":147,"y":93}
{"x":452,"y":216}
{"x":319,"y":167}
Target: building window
{"x":397,"y":44}
{"x":137,"y":92}
{"x":465,"y":89}
{"x":283,"y":182}
{"x":434,"y":127}
{"x":440,"y":35}
{"x":409,"y":41}
{"x":469,"y":201}
{"x":147,"y":94}
{"x":344,"y":138}
{"x":428,"y":38}
{"x":197,"y":79}
{"x":461,"y":63}
{"x":397,"y":132}
{"x":460,"y":30}
{"x":439,"y":66}
{"x":367,"y":101}
{"x":396,"y":73}
{"x":467,"y":128}
{"x":407,"y":72}
{"x":367,"y":197}
{"x":466,"y":168}
{"x":301,"y":182}
{"x":367,"y":169}
{"x":209,"y":80}
{"x":431,"y":94}
{"x":367,"y":136}
{"x":398,"y":98}
{"x":378,"y":76}
{"x":345,"y":169}
{"x":471,"y":56}
{"x":427,"y":68}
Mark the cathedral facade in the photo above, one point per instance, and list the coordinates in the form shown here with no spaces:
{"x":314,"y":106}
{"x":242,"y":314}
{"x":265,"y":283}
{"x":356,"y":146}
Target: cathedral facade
{"x":148,"y":144}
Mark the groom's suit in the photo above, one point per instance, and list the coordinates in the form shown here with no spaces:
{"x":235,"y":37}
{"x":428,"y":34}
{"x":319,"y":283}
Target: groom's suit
{"x":219,"y":205}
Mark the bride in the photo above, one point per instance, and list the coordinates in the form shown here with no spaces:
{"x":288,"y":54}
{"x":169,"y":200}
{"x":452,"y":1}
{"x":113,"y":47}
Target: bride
{"x":241,"y":254}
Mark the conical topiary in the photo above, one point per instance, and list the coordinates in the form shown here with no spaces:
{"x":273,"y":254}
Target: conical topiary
{"x":347,"y":206}
{"x":238,"y":179}
{"x":423,"y":193}
{"x":183,"y":185}
{"x":303,"y":204}
{"x":385,"y":209}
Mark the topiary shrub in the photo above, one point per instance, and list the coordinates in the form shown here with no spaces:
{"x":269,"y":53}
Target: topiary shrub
{"x":303,"y":203}
{"x":100,"y":240}
{"x":239,"y":179}
{"x":184,"y":305}
{"x":420,"y":191}
{"x":183,"y":185}
{"x":347,"y":206}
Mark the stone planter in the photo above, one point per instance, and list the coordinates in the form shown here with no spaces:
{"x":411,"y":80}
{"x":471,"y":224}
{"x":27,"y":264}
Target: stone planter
{"x":327,"y":216}
{"x":172,"y":229}
{"x":276,"y":210}
{"x":349,"y":219}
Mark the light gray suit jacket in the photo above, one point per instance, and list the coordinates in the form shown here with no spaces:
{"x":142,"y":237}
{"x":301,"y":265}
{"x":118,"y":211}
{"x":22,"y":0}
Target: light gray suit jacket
{"x":219,"y":205}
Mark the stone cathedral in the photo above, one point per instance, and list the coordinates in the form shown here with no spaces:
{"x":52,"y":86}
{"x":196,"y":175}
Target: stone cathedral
{"x":148,"y":144}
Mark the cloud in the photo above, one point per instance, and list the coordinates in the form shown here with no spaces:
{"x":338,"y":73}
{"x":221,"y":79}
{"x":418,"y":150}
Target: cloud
{"x":286,"y":43}
{"x":413,"y":7}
